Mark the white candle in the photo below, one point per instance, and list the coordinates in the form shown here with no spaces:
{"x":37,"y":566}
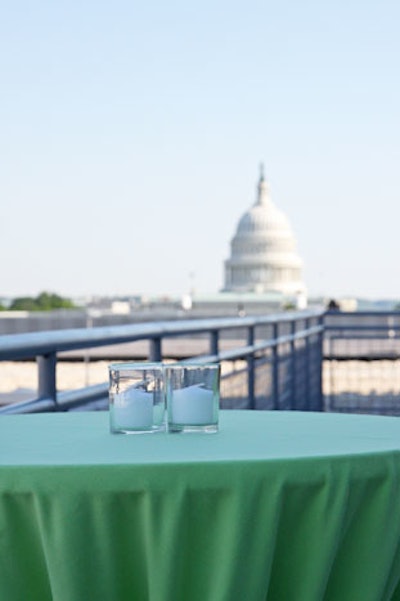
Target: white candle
{"x":192,"y":406}
{"x":133,"y":409}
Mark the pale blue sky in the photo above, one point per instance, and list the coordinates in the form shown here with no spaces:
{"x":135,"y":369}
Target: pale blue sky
{"x":131,"y":135}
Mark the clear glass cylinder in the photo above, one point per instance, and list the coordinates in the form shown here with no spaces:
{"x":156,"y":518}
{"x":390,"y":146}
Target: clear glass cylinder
{"x":193,"y":392}
{"x":137,"y":398}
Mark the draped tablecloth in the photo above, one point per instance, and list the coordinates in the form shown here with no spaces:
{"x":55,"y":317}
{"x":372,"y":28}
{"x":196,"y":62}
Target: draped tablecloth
{"x":278,"y":506}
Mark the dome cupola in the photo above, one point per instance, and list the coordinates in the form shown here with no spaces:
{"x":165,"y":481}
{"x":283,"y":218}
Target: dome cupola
{"x":263,"y":250}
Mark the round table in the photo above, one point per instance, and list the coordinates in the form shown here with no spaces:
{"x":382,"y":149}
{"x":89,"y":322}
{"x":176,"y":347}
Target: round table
{"x":278,"y":506}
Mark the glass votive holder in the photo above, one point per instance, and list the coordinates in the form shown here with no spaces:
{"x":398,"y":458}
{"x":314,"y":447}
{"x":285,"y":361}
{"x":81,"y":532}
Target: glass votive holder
{"x":137,"y":398}
{"x":192,"y":397}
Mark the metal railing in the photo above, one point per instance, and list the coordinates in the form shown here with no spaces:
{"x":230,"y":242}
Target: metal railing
{"x":278,"y":360}
{"x":362,"y":362}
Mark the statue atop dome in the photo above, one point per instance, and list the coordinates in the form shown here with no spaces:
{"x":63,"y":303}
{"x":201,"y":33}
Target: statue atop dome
{"x":263,"y":256}
{"x":262,"y":188}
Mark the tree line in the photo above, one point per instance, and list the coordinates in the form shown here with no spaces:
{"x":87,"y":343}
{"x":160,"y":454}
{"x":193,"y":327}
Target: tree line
{"x":45,"y":301}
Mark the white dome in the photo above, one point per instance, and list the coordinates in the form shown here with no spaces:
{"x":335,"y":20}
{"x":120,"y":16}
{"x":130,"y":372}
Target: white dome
{"x":263,"y":250}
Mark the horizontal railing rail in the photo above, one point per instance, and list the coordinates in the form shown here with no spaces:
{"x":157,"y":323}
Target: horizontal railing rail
{"x":361,"y":328}
{"x":45,"y":347}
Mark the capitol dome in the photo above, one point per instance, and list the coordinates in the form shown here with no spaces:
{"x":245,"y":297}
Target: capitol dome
{"x":263,"y":251}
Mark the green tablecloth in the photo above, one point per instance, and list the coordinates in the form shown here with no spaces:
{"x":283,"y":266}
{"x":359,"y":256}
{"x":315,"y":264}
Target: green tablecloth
{"x":277,"y":506}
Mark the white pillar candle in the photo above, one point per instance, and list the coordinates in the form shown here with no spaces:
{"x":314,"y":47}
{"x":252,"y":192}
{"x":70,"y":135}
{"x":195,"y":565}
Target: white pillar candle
{"x":133,"y":409}
{"x":193,"y":406}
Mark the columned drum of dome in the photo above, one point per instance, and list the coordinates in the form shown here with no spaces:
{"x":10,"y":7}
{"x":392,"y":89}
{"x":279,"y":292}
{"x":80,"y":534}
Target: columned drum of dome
{"x":264,"y":257}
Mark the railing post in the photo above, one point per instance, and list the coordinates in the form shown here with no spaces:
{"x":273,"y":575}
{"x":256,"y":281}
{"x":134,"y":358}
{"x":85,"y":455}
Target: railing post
{"x":47,"y":376}
{"x":307,"y":387}
{"x":251,"y":370}
{"x":214,"y":342}
{"x":155,"y":352}
{"x":275,"y":368}
{"x":293,"y":365}
{"x":321,"y":363}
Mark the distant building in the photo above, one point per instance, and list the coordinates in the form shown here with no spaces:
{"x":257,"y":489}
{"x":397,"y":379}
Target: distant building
{"x":263,"y":256}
